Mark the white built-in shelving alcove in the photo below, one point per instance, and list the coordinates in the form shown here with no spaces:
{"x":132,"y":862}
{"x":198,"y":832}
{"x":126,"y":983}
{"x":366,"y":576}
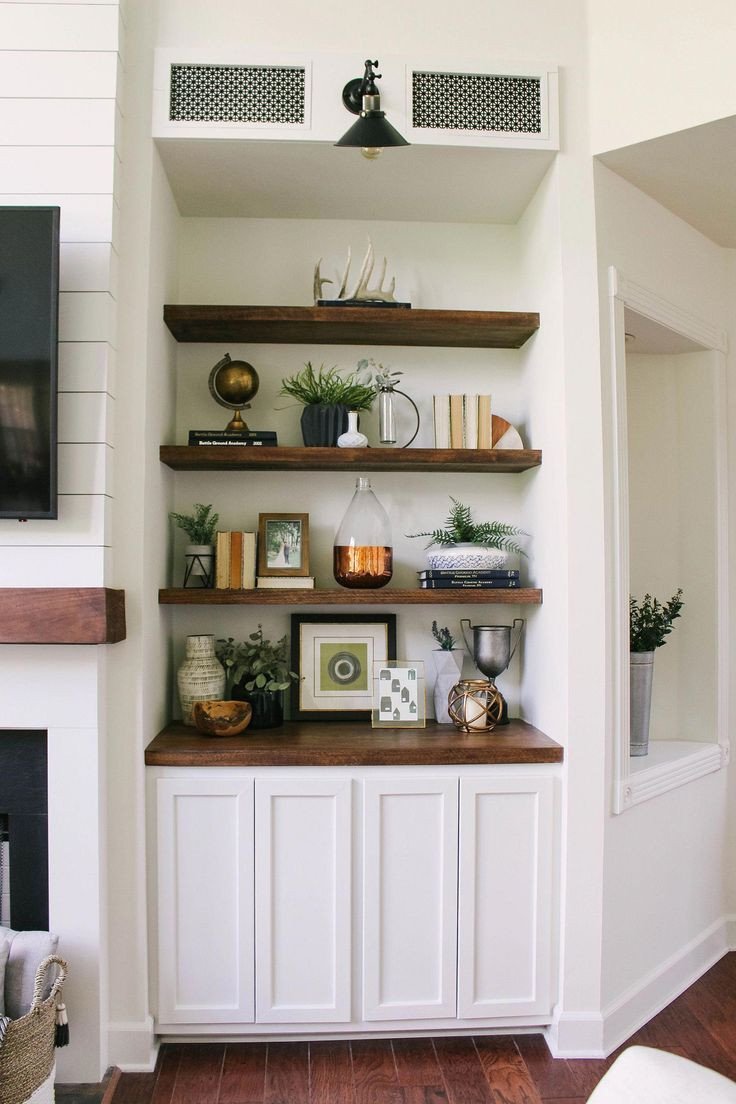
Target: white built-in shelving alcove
{"x":669,"y":438}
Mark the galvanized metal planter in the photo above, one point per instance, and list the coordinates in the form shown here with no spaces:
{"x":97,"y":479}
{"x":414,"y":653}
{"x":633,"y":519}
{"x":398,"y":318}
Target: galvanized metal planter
{"x":641,"y":673}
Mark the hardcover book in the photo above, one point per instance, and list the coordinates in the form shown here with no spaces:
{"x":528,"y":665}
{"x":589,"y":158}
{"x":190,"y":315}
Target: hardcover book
{"x":469,"y":573}
{"x":468,"y":584}
{"x":285,"y":582}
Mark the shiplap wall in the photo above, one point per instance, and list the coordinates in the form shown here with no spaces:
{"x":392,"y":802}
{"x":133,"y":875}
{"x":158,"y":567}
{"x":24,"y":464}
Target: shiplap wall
{"x":59,"y":119}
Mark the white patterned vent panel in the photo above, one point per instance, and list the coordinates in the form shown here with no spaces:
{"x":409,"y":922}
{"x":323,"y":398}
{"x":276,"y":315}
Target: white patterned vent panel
{"x":477,"y":101}
{"x":237,"y":94}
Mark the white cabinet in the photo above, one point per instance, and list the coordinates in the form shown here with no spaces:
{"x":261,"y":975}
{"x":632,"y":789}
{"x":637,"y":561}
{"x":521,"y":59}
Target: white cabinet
{"x":369,"y":899}
{"x":505,"y":921}
{"x":410,"y":898}
{"x":205,"y":900}
{"x":303,"y":901}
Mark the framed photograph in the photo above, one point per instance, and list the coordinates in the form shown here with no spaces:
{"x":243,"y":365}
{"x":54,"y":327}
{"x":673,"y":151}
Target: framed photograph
{"x":283,"y":544}
{"x":398,"y":695}
{"x":334,"y":657}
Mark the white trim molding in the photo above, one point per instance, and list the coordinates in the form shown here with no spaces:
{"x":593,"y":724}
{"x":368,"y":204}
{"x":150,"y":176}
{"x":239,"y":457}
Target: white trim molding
{"x":671,"y":763}
{"x":132,"y":1046}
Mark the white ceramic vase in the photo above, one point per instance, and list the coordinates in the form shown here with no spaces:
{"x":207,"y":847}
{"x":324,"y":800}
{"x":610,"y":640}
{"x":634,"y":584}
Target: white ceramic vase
{"x":201,"y":676}
{"x":466,"y":557}
{"x":448,"y":666}
{"x":352,"y":438}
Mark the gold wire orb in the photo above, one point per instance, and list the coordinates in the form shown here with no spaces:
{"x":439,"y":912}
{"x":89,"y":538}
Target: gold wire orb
{"x":475,"y":705}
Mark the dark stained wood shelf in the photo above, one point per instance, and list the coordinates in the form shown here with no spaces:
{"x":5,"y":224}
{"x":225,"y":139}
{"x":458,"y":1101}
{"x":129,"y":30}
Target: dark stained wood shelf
{"x":351,"y":326}
{"x":434,"y":461}
{"x":336,"y":743}
{"x":387,"y":596}
{"x":61,"y":615}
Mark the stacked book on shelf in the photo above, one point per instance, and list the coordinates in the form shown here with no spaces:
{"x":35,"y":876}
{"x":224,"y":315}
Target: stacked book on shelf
{"x":462,"y":421}
{"x":262,"y":437}
{"x":449,"y":578}
{"x":235,"y":561}
{"x":285,"y":582}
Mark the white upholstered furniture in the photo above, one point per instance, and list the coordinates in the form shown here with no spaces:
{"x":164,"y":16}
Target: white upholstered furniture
{"x":643,"y":1075}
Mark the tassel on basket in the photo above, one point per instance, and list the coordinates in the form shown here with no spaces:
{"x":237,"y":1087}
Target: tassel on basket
{"x":61,"y":1035}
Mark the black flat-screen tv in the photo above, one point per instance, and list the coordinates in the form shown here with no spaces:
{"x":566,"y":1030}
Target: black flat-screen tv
{"x":29,"y":333}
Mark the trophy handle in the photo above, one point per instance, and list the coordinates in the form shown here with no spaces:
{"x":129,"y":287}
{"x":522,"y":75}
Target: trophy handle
{"x":463,"y":622}
{"x":520,"y":621}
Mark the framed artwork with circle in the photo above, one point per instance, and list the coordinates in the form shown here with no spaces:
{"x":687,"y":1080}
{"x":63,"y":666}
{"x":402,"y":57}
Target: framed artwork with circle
{"x":334,"y":656}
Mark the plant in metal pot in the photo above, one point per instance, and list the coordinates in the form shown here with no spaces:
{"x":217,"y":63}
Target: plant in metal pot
{"x":448,"y":662}
{"x":327,"y":395}
{"x":466,"y":544}
{"x":200,"y":526}
{"x":257,"y":670}
{"x":650,"y":622}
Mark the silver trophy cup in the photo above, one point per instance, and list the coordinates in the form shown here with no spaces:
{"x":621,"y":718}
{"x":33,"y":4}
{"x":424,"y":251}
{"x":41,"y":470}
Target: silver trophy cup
{"x":492,"y":651}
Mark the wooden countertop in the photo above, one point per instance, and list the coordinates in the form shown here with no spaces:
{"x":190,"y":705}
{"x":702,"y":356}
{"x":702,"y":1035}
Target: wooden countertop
{"x":331,"y":744}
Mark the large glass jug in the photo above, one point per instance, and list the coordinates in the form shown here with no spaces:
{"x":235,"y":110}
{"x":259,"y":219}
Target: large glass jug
{"x":363,"y":554}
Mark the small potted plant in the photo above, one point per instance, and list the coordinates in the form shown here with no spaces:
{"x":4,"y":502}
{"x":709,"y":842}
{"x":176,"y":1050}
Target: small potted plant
{"x":200,"y":526}
{"x":258,"y":671}
{"x":650,"y":621}
{"x":327,"y":396}
{"x":467,"y":545}
{"x":448,"y":662}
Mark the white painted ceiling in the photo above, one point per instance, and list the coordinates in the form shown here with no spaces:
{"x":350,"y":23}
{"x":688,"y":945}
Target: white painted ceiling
{"x":691,"y":172}
{"x":644,"y":335}
{"x":258,"y":179}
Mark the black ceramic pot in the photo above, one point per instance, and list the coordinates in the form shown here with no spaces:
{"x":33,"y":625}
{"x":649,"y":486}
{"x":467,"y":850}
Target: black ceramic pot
{"x":267,"y":705}
{"x":322,"y":423}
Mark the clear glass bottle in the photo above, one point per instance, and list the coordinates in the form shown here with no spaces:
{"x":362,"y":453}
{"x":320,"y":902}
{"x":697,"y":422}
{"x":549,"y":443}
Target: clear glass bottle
{"x":363,"y":554}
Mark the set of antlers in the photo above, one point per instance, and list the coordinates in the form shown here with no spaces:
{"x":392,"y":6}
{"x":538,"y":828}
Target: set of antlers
{"x":362,"y":290}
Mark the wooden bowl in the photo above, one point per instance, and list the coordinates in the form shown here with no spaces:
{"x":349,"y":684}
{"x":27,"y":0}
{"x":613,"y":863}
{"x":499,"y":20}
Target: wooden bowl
{"x":222,"y":718}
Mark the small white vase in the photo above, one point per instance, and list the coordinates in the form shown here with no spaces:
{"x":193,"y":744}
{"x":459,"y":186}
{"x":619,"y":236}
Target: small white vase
{"x":448,"y":667}
{"x":201,"y":676}
{"x":467,"y":557}
{"x":352,"y":438}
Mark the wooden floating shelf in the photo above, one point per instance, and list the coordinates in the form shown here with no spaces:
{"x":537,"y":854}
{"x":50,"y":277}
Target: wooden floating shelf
{"x":387,"y":596}
{"x":351,"y":326}
{"x":434,"y":461}
{"x":61,"y":615}
{"x":352,"y":743}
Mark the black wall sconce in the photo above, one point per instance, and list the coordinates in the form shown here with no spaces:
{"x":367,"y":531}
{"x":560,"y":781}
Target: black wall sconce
{"x":372,"y":131}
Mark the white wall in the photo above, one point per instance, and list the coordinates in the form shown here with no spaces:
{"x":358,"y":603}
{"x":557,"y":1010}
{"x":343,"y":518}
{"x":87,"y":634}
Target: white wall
{"x":658,"y":67}
{"x":664,"y":860}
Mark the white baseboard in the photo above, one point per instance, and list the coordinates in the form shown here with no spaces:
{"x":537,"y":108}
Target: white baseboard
{"x":132,"y":1047}
{"x":594,"y":1035}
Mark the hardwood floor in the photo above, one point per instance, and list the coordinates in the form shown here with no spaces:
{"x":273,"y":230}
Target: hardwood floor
{"x":501,"y":1069}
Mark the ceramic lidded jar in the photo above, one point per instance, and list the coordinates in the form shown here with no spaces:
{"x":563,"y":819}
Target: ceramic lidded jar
{"x":201,"y":676}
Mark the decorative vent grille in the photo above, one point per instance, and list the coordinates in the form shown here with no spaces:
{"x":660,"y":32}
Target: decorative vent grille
{"x":476,"y":101}
{"x":237,"y":94}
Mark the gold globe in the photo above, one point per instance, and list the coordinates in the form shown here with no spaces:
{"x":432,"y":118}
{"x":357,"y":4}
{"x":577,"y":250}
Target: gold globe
{"x":232,"y":384}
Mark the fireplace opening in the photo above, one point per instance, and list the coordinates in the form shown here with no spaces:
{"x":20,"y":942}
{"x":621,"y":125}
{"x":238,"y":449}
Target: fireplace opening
{"x":24,"y":848}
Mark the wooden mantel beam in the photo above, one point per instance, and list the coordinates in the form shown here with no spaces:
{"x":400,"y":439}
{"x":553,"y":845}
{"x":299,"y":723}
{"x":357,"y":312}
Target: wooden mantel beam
{"x":61,"y":615}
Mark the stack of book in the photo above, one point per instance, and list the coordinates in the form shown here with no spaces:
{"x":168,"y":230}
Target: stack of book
{"x":235,"y":561}
{"x":462,"y":421}
{"x":285,"y":582}
{"x":222,"y":437}
{"x":447,"y":578}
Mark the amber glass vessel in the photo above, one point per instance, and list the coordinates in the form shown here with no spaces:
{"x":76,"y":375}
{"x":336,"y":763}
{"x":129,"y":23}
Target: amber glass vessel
{"x":363,"y":553}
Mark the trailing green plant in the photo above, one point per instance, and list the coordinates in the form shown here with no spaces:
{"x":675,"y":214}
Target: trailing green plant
{"x":256,"y":663}
{"x":199,"y":526}
{"x":650,"y":621}
{"x":460,"y":528}
{"x":329,"y":386}
{"x":444,"y":637}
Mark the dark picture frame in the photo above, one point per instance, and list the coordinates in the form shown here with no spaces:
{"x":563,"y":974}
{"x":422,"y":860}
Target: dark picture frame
{"x":283,"y":538}
{"x":333,"y":654}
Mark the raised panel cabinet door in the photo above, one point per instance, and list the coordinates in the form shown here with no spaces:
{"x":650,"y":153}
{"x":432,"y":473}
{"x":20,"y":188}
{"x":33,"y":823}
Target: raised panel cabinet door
{"x":505,"y":928}
{"x":205,"y":900}
{"x":410,"y":898}
{"x":303,"y":901}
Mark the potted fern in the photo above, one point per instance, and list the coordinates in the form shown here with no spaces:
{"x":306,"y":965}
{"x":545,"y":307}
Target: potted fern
{"x":199,"y":555}
{"x":650,"y":621}
{"x":327,"y":396}
{"x":463,"y":544}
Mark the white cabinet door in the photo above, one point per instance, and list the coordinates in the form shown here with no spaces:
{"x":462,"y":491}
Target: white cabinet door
{"x":205,"y":900}
{"x":303,"y":901}
{"x":410,"y":898}
{"x":505,"y":938}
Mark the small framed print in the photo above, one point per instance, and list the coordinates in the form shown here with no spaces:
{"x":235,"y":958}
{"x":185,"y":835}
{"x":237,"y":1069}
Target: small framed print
{"x":398,"y":695}
{"x":283,"y":544}
{"x":334,"y":657}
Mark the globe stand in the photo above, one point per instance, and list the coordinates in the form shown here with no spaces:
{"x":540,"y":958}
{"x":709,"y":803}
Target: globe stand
{"x":232,"y":384}
{"x":236,"y":423}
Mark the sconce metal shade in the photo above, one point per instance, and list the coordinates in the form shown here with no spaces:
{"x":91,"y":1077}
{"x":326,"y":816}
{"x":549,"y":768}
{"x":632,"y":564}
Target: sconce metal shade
{"x":372,"y":129}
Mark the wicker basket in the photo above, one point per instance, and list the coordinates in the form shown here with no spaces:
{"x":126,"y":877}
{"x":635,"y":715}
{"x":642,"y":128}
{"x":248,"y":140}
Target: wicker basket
{"x":27,"y":1052}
